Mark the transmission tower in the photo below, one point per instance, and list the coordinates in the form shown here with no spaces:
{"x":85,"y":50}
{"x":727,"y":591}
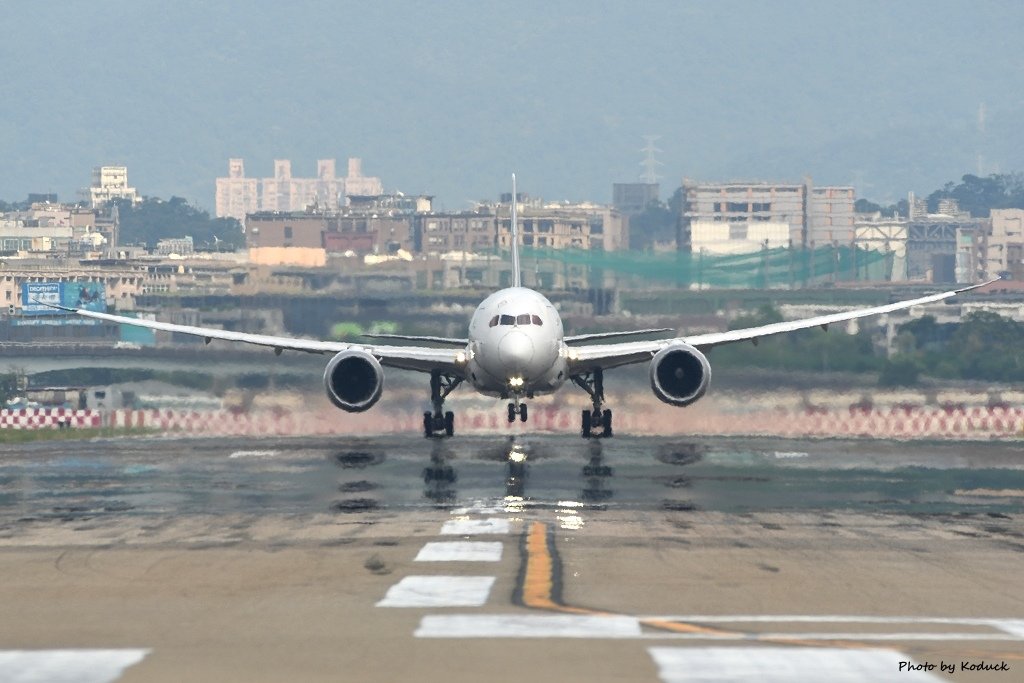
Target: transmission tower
{"x":981,"y":139}
{"x":650,"y":164}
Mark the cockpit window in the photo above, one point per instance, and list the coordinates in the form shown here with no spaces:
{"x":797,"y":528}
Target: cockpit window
{"x":494,"y":321}
{"x":508,"y":320}
{"x":523,"y":319}
{"x":537,"y":320}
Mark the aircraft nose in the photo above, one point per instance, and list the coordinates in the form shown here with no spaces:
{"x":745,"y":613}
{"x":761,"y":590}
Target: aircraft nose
{"x":516,"y":351}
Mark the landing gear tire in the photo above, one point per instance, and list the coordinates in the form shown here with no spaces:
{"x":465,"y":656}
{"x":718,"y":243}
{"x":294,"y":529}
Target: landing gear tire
{"x":593,"y":384}
{"x":434,"y":423}
{"x":519,"y":410}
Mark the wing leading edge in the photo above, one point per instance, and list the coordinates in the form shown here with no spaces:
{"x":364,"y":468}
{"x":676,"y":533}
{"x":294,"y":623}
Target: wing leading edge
{"x":613,"y":355}
{"x":420,"y":358}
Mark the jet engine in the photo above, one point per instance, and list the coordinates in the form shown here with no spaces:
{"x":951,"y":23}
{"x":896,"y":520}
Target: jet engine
{"x":680,"y":374}
{"x":354,"y":380}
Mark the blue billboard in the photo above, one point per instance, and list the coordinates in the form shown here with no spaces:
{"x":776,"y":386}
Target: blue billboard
{"x":86,"y":295}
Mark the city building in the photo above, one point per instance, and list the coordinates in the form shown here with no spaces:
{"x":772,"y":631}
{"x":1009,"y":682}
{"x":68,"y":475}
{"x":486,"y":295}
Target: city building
{"x":110,"y":182}
{"x":887,"y":236}
{"x":815,"y":216}
{"x":470,"y":231}
{"x":633,"y":198}
{"x":176,"y":246}
{"x":335,"y":232}
{"x":121,"y":282}
{"x":939,"y":245}
{"x":1005,"y":246}
{"x":237,"y":196}
{"x":563,"y":226}
{"x":58,"y":229}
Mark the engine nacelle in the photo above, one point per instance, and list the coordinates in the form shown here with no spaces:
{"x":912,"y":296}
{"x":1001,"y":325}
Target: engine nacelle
{"x":680,"y":374}
{"x":354,"y":380}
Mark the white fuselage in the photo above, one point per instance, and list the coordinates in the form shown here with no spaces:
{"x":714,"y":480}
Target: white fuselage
{"x":516,"y":345}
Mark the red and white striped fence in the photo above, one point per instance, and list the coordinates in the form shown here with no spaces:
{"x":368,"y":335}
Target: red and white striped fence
{"x":894,"y":423}
{"x":47,"y":418}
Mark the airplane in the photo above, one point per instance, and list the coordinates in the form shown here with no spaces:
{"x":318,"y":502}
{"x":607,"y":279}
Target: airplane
{"x":517,"y":349}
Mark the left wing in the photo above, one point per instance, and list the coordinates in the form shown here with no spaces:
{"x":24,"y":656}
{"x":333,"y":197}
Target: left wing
{"x":582,"y":358}
{"x":423,"y":359}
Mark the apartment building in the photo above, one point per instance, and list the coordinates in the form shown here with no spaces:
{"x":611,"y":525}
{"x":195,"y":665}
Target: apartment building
{"x":815,"y":216}
{"x":110,"y":182}
{"x":564,"y":226}
{"x":238,"y":195}
{"x":1004,"y":250}
{"x":60,"y":229}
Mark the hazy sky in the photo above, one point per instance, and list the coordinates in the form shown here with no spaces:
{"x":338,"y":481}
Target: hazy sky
{"x":450,"y":98}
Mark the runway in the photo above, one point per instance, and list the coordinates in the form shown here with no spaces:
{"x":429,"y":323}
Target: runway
{"x":544,"y":557}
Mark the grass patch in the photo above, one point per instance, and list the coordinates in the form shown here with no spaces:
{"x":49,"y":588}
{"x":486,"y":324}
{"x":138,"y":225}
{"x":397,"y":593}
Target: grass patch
{"x":16,"y":436}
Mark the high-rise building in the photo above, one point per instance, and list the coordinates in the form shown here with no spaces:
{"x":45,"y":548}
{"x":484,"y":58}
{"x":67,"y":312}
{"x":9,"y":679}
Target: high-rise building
{"x":238,"y":195}
{"x":815,"y":216}
{"x":110,"y":182}
{"x":633,"y":198}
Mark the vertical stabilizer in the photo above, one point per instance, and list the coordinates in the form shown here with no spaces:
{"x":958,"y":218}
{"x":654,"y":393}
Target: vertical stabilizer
{"x":516,"y":278}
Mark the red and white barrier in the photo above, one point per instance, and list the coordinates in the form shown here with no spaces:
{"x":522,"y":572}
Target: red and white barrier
{"x":894,"y":423}
{"x":49,"y":418}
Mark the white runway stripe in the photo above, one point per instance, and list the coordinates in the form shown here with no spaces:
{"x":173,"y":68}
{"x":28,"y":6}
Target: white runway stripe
{"x":461,"y":551}
{"x":527,"y":626}
{"x":782,"y":665}
{"x":480,"y":507}
{"x":439,"y":591}
{"x":1014,"y":627}
{"x":66,"y":666}
{"x":469,"y":527}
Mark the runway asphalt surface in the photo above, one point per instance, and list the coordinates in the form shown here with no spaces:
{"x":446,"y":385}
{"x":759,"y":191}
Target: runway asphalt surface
{"x":546,"y":558}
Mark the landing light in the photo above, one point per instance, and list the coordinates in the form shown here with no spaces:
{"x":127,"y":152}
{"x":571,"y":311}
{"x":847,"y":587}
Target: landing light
{"x":460,"y":357}
{"x":515,"y":382}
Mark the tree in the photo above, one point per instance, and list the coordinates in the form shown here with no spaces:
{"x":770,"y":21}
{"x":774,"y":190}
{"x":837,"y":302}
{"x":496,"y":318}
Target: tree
{"x":980,"y":195}
{"x":154,"y":219}
{"x":656,"y":223}
{"x":864,"y":206}
{"x":989,"y":347}
{"x":8,"y":387}
{"x":899,"y":371}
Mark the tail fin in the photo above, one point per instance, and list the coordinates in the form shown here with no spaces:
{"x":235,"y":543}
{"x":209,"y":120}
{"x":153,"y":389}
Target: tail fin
{"x":516,"y":276}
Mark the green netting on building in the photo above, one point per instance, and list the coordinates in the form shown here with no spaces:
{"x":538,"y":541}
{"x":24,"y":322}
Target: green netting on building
{"x":767,"y":268}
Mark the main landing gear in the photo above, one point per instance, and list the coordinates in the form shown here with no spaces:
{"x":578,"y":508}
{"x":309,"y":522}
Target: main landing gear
{"x":598,"y":418}
{"x":434,"y":423}
{"x":517,"y":409}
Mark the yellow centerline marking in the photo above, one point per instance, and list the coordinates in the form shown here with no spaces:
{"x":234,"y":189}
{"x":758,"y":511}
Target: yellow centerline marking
{"x":539,"y":584}
{"x":538,"y":592}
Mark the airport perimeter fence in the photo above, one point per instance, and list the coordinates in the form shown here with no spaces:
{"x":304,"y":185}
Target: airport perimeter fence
{"x":960,"y":423}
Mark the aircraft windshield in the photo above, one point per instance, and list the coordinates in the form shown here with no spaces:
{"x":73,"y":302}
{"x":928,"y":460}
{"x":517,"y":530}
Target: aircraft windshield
{"x":521,"y":319}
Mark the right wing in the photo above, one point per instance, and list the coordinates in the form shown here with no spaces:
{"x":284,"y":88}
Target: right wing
{"x":605,"y":335}
{"x":420,"y":358}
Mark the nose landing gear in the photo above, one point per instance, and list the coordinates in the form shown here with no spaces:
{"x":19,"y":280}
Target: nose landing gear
{"x":434,"y":423}
{"x":517,"y":409}
{"x":599,"y":418}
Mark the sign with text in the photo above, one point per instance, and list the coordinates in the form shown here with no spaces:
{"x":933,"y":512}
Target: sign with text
{"x":86,"y":295}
